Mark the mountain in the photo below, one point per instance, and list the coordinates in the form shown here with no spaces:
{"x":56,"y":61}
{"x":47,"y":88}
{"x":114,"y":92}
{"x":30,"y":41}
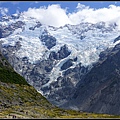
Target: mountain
{"x":57,"y":60}
{"x":18,"y":99}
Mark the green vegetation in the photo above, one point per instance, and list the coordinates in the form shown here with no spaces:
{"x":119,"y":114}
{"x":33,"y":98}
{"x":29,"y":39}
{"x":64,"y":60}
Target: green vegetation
{"x":24,"y":101}
{"x":8,"y":75}
{"x":20,"y":100}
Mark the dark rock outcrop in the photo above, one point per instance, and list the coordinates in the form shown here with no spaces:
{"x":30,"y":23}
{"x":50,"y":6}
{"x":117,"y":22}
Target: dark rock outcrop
{"x":61,"y":54}
{"x":48,"y":40}
{"x":116,"y":39}
{"x":67,"y":64}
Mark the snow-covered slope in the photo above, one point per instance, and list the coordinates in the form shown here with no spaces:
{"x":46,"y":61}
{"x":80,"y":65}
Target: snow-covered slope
{"x":53,"y":59}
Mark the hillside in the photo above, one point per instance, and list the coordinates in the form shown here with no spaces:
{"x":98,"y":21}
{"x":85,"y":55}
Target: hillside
{"x":18,"y":99}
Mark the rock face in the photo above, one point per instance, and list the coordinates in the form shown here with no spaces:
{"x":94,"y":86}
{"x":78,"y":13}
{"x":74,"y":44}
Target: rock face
{"x":99,"y":91}
{"x":61,"y":54}
{"x":8,"y":30}
{"x":116,"y":39}
{"x":67,"y":64}
{"x":48,"y":40}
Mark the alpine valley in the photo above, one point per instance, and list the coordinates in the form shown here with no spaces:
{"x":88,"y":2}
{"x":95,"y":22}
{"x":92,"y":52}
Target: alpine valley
{"x":73,"y":66}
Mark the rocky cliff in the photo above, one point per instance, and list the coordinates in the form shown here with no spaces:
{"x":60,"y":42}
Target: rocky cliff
{"x":99,"y":91}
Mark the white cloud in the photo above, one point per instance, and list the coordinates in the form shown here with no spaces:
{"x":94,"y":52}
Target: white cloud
{"x":56,"y":16}
{"x":3,"y":11}
{"x":95,"y":15}
{"x":52,"y":15}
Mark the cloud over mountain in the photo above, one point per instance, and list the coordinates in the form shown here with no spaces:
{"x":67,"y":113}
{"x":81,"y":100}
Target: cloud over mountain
{"x":55,"y":15}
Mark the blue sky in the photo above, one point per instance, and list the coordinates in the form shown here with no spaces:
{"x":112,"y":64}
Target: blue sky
{"x":59,"y":13}
{"x":71,"y":5}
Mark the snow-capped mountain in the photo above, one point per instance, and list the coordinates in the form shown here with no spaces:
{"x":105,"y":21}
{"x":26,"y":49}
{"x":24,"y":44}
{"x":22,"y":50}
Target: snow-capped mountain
{"x":54,"y":59}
